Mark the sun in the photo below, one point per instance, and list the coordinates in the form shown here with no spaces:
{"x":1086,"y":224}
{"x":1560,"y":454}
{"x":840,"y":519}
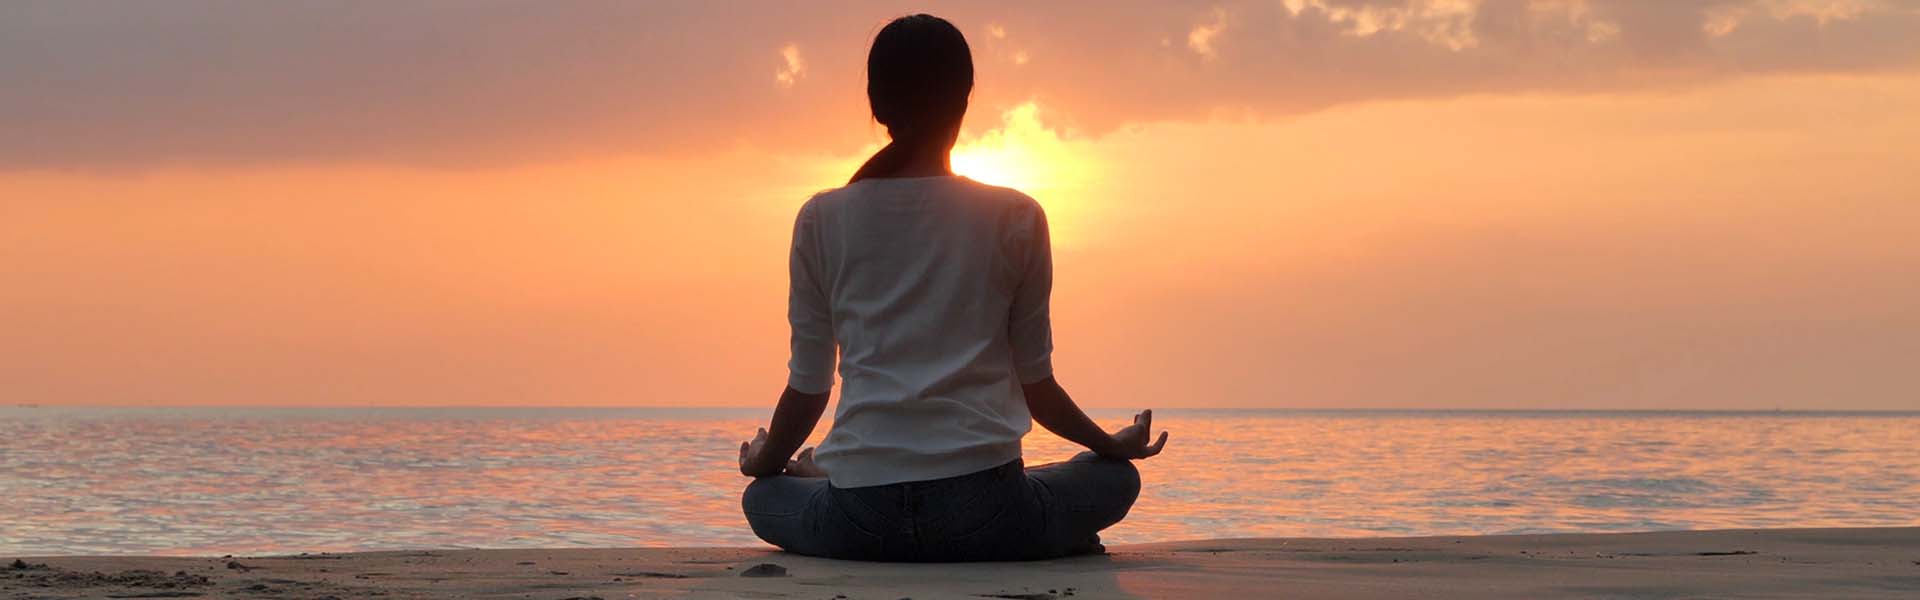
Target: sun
{"x":1008,"y":156}
{"x":1022,"y":153}
{"x":1025,"y":155}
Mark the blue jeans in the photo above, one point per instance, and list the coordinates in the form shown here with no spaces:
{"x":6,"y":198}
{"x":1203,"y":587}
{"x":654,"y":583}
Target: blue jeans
{"x":1003,"y":513}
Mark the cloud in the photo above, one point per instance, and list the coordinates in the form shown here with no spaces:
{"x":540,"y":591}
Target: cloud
{"x":92,"y":84}
{"x":794,"y":68}
{"x":1277,"y":58}
{"x":1200,"y":39}
{"x":1442,"y":22}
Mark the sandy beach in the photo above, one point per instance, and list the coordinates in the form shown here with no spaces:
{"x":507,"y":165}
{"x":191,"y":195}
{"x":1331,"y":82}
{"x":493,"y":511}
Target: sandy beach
{"x":1784,"y":563}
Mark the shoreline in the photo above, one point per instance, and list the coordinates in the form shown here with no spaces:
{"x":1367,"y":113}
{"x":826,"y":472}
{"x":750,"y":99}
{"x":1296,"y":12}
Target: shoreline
{"x":1768,"y":563}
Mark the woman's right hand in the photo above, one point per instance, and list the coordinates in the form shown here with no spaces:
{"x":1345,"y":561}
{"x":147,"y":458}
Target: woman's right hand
{"x":752,"y":461}
{"x":1131,"y":441}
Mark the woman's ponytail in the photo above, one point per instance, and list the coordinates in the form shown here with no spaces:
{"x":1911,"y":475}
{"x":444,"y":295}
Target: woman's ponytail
{"x":889,"y":159}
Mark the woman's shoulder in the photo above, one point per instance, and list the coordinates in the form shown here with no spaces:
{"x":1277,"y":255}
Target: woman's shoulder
{"x":1000,"y":199}
{"x":825,"y":198}
{"x":995,"y":198}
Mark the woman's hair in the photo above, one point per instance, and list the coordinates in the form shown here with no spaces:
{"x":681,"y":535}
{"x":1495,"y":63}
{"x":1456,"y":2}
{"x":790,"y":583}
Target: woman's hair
{"x":919,"y":74}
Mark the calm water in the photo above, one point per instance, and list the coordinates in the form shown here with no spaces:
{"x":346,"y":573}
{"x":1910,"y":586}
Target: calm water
{"x":215,"y":481}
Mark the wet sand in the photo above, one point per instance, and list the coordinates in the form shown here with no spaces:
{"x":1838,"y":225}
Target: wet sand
{"x":1787,"y":563}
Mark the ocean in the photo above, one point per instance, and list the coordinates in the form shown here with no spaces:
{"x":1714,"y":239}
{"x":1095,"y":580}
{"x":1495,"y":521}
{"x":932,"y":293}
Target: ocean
{"x":196,"y":481}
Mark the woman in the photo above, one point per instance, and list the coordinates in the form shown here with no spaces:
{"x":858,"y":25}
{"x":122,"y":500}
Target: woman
{"x":933,"y":288}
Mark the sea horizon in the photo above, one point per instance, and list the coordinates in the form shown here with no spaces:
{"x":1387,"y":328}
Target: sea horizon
{"x":222,"y":479}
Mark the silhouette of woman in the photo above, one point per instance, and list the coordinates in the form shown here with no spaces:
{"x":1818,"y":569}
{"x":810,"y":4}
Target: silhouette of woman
{"x":930,"y":290}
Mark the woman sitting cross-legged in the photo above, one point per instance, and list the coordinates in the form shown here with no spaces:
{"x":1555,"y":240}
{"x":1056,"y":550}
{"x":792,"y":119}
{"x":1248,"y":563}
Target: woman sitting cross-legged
{"x":930,"y":290}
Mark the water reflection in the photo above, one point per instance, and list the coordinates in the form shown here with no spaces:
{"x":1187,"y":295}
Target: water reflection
{"x":199,"y":481}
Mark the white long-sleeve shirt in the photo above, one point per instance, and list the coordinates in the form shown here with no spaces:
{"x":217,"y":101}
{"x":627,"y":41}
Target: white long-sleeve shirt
{"x":934,"y":290}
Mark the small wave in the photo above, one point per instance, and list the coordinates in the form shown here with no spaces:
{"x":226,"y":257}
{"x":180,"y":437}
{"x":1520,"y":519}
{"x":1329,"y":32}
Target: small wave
{"x":1681,"y":485}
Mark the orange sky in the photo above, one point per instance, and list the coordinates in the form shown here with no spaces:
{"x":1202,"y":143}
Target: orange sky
{"x":1297,"y":204}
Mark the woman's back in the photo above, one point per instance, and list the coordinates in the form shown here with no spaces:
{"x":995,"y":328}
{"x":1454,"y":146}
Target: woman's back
{"x":930,"y":291}
{"x":935,"y":289}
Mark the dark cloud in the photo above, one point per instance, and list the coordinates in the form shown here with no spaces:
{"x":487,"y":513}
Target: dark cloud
{"x":86,"y":84}
{"x":433,"y":82}
{"x":1268,"y":59}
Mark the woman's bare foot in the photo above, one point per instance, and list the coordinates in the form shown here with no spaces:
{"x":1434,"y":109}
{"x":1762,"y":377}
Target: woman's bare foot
{"x":802,"y":466}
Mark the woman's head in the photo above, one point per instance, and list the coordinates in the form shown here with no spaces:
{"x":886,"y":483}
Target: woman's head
{"x":919,"y":74}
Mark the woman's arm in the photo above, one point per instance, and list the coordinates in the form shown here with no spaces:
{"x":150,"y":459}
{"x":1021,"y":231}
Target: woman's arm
{"x":1030,"y":331}
{"x":793,"y":420}
{"x":1054,"y":410}
{"x":811,"y":366}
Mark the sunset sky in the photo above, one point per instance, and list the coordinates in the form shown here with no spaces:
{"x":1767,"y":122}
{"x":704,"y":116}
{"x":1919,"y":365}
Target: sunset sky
{"x":1648,"y":204}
